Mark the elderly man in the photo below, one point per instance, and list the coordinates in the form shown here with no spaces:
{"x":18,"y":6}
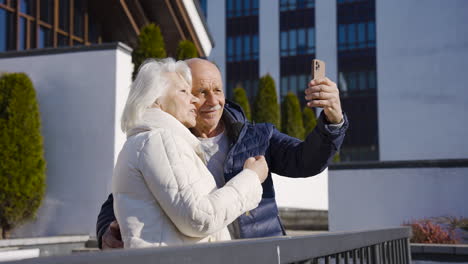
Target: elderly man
{"x":228,"y":140}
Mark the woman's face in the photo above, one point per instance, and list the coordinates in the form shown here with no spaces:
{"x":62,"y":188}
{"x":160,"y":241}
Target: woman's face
{"x":179,"y":101}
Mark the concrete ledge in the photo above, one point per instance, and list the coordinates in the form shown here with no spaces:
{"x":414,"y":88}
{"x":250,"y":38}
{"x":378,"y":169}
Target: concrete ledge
{"x":304,"y":219}
{"x":18,"y":254}
{"x":43,"y":241}
{"x":452,"y":249}
{"x":449,"y":163}
{"x":49,"y":51}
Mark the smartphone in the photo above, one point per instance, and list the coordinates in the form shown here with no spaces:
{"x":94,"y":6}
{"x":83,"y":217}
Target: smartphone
{"x":318,"y":69}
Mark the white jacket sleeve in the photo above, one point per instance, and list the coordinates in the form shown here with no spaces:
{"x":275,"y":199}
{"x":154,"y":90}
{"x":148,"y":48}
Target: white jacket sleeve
{"x":180,"y":187}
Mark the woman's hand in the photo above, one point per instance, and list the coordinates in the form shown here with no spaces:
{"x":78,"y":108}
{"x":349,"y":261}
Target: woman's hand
{"x":259,"y":165}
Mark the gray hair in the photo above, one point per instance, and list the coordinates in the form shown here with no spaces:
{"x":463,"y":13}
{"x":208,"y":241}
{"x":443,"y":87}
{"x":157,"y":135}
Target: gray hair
{"x":151,"y":83}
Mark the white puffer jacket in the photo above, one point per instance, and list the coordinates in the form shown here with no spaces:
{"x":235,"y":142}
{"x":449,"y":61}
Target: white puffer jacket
{"x":165,"y":195}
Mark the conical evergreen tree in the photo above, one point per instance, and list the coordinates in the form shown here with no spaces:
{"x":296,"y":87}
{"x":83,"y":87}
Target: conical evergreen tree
{"x":150,"y":45}
{"x":186,"y":50}
{"x":240,"y":97}
{"x":291,"y":119}
{"x":22,"y":163}
{"x":266,"y":107}
{"x":309,"y":119}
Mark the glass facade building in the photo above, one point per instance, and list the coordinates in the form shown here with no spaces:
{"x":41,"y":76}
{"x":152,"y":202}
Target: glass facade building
{"x":297,"y":45}
{"x":29,"y":24}
{"x":242,"y":46}
{"x":357,"y":78}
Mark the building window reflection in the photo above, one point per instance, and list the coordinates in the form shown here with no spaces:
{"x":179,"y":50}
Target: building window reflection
{"x":239,"y":8}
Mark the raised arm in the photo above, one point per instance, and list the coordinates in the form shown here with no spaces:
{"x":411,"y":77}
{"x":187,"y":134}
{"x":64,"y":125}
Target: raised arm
{"x":292,"y":157}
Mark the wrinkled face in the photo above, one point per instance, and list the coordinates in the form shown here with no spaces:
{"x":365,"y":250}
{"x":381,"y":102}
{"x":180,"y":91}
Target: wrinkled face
{"x":208,"y":88}
{"x":179,"y":101}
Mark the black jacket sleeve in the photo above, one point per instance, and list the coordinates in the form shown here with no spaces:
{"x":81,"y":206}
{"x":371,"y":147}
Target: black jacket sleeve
{"x":292,"y":157}
{"x":105,"y":217}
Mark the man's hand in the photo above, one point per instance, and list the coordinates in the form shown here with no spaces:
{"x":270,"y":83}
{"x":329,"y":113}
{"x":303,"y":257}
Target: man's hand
{"x":324,"y":93}
{"x":112,"y":238}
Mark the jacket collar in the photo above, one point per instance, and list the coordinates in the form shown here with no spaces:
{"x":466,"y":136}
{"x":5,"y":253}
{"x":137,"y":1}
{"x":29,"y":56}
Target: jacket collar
{"x":234,"y":120}
{"x":154,"y":118}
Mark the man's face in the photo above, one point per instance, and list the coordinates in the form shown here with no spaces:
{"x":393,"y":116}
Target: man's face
{"x":208,"y":88}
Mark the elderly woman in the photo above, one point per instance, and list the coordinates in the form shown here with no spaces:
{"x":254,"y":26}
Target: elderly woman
{"x":163,"y":192}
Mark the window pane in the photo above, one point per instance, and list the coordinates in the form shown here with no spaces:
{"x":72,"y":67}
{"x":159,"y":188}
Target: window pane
{"x":311,"y":40}
{"x":361,"y":35}
{"x":310,"y":3}
{"x":47,"y":8}
{"x":371,"y":34}
{"x":351,"y":81}
{"x":362,"y":80}
{"x":238,"y":55}
{"x":238,"y":7}
{"x":229,"y":7}
{"x":64,"y":15}
{"x":351,"y":35}
{"x":292,"y":4}
{"x":246,"y":7}
{"x":254,"y":7}
{"x":255,"y":47}
{"x":372,"y":80}
{"x":284,"y":85}
{"x":62,"y":41}
{"x":292,"y":83}
{"x":302,"y":83}
{"x":45,"y":37}
{"x":247,"y":47}
{"x":27,"y":7}
{"x":300,"y":4}
{"x":22,"y":33}
{"x":292,"y":42}
{"x":78,"y":23}
{"x":284,"y":40}
{"x":301,"y":41}
{"x":283,"y":5}
{"x":229,"y":49}
{"x":7,"y":32}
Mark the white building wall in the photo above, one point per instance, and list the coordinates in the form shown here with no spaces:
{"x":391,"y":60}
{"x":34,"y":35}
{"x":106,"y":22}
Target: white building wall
{"x":302,"y":193}
{"x":269,"y":30}
{"x":216,"y":19}
{"x":80,"y":97}
{"x":378,"y":198}
{"x":422,"y":57}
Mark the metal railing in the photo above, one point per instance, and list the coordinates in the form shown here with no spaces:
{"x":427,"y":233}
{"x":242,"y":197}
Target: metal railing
{"x":384,"y":246}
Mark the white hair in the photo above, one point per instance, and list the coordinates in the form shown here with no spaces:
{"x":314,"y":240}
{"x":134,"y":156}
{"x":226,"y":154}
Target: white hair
{"x":151,"y":83}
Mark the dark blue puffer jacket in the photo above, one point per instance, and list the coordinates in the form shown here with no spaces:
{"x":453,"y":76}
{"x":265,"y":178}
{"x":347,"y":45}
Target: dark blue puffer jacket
{"x":285,"y":156}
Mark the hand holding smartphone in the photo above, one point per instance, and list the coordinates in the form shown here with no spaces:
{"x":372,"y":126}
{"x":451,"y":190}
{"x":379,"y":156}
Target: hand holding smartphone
{"x":318,"y":69}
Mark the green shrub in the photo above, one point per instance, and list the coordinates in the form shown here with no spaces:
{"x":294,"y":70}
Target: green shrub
{"x":186,"y":50}
{"x":240,"y":97}
{"x":309,"y":119}
{"x":150,"y":45}
{"x":266,"y":108}
{"x":291,"y":119}
{"x":22,"y":166}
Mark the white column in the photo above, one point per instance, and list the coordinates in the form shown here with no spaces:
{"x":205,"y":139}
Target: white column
{"x":269,"y":40}
{"x":216,"y":14}
{"x":325,"y":35}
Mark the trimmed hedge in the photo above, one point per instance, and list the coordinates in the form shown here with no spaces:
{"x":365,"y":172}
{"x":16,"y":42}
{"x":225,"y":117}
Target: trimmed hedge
{"x":22,"y":166}
{"x":266,"y":108}
{"x":186,"y":50}
{"x":309,"y":120}
{"x":150,"y":45}
{"x":291,"y":120}
{"x":240,"y":97}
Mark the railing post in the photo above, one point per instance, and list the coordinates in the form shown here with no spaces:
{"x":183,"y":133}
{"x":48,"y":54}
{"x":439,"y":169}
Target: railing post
{"x":375,"y":254}
{"x":408,"y":251}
